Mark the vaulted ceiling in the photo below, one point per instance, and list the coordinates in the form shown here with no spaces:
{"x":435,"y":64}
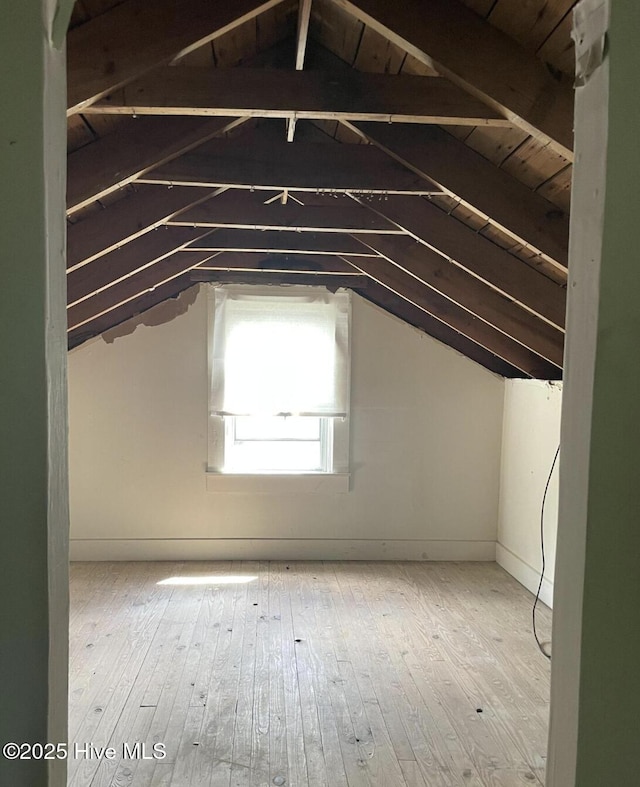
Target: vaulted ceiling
{"x":418,"y":152}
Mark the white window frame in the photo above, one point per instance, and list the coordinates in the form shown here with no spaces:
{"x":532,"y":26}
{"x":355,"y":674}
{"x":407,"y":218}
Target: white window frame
{"x":336,"y":479}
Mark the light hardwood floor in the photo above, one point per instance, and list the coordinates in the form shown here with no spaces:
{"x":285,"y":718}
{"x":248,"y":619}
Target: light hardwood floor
{"x":309,"y":674}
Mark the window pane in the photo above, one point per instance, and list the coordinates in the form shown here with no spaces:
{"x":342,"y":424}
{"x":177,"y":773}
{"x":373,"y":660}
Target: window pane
{"x":295,"y":456}
{"x":277,"y":428}
{"x":256,"y":444}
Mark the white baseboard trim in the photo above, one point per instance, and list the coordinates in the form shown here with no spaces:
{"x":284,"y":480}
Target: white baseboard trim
{"x":524,"y":573}
{"x":279,"y":549}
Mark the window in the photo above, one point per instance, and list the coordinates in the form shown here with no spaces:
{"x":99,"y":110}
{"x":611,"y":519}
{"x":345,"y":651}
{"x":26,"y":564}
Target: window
{"x":279,"y":444}
{"x":279,"y":380}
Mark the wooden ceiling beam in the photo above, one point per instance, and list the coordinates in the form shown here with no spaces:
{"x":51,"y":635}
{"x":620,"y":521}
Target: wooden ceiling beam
{"x":460,"y":45}
{"x":475,"y":253}
{"x":126,"y":311}
{"x":276,"y":242}
{"x":477,"y":183}
{"x":469,"y":292}
{"x":145,"y":280}
{"x":261,"y":277}
{"x":413,"y":315}
{"x":244,"y":211}
{"x":127,"y":219}
{"x":302,"y":37}
{"x":255,"y":163}
{"x":457,"y":317}
{"x":274,"y":263}
{"x":133,"y":37}
{"x":183,"y":206}
{"x":117,"y":159}
{"x":302,"y":34}
{"x":141,"y":253}
{"x":299,"y":95}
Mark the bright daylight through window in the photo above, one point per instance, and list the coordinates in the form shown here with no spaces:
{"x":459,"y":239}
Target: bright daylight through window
{"x":279,"y":379}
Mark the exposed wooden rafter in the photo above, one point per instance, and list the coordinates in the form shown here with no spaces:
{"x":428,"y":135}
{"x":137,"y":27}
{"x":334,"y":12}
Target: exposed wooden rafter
{"x":184,"y":206}
{"x":119,"y":158}
{"x":279,"y":263}
{"x":240,"y":210}
{"x":410,"y":313}
{"x":127,"y":289}
{"x":456,"y":239}
{"x":299,"y":95}
{"x":477,"y":183}
{"x":122,"y":263}
{"x":466,"y":49}
{"x":132,"y":38}
{"x":126,"y":311}
{"x":302,"y":36}
{"x":277,"y":278}
{"x":256,"y":163}
{"x":456,"y":317}
{"x":127,"y":219}
{"x":432,"y":270}
{"x":276,"y":242}
{"x":475,"y":253}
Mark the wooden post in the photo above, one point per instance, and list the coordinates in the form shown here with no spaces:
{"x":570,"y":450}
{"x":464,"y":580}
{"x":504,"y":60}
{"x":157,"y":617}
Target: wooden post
{"x":33,"y":415}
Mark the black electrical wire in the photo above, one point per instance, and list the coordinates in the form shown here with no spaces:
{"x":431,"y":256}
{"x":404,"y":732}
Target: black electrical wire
{"x":535,"y":603}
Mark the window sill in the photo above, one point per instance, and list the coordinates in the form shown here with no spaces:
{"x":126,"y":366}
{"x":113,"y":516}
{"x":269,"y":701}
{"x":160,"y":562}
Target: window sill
{"x":278,"y":483}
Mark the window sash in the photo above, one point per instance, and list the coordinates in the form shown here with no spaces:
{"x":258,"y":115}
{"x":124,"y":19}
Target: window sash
{"x":278,"y":456}
{"x":276,"y":429}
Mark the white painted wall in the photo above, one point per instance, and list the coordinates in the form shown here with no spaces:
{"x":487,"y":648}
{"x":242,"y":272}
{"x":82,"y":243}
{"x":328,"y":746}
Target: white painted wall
{"x":425,"y":454}
{"x":530,"y":437}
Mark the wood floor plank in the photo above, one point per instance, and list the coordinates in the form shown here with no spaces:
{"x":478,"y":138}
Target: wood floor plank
{"x":162,"y":775}
{"x":427,"y":733}
{"x":308,"y":682}
{"x":443,"y":759}
{"x":476,"y":678}
{"x":221,"y":715}
{"x":110,"y":718}
{"x":241,"y":761}
{"x":260,"y":743}
{"x":379,"y":685}
{"x":307,"y":674}
{"x":482,"y":644}
{"x":213,"y":612}
{"x":384,"y":725}
{"x":188,"y":747}
{"x":316,"y":646}
{"x":278,"y":751}
{"x":99,"y":692}
{"x":411,"y":773}
{"x":87,"y":583}
{"x":121,"y":771}
{"x":296,"y":755}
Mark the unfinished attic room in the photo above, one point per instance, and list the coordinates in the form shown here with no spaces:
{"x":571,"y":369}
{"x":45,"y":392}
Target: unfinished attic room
{"x":317,"y":268}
